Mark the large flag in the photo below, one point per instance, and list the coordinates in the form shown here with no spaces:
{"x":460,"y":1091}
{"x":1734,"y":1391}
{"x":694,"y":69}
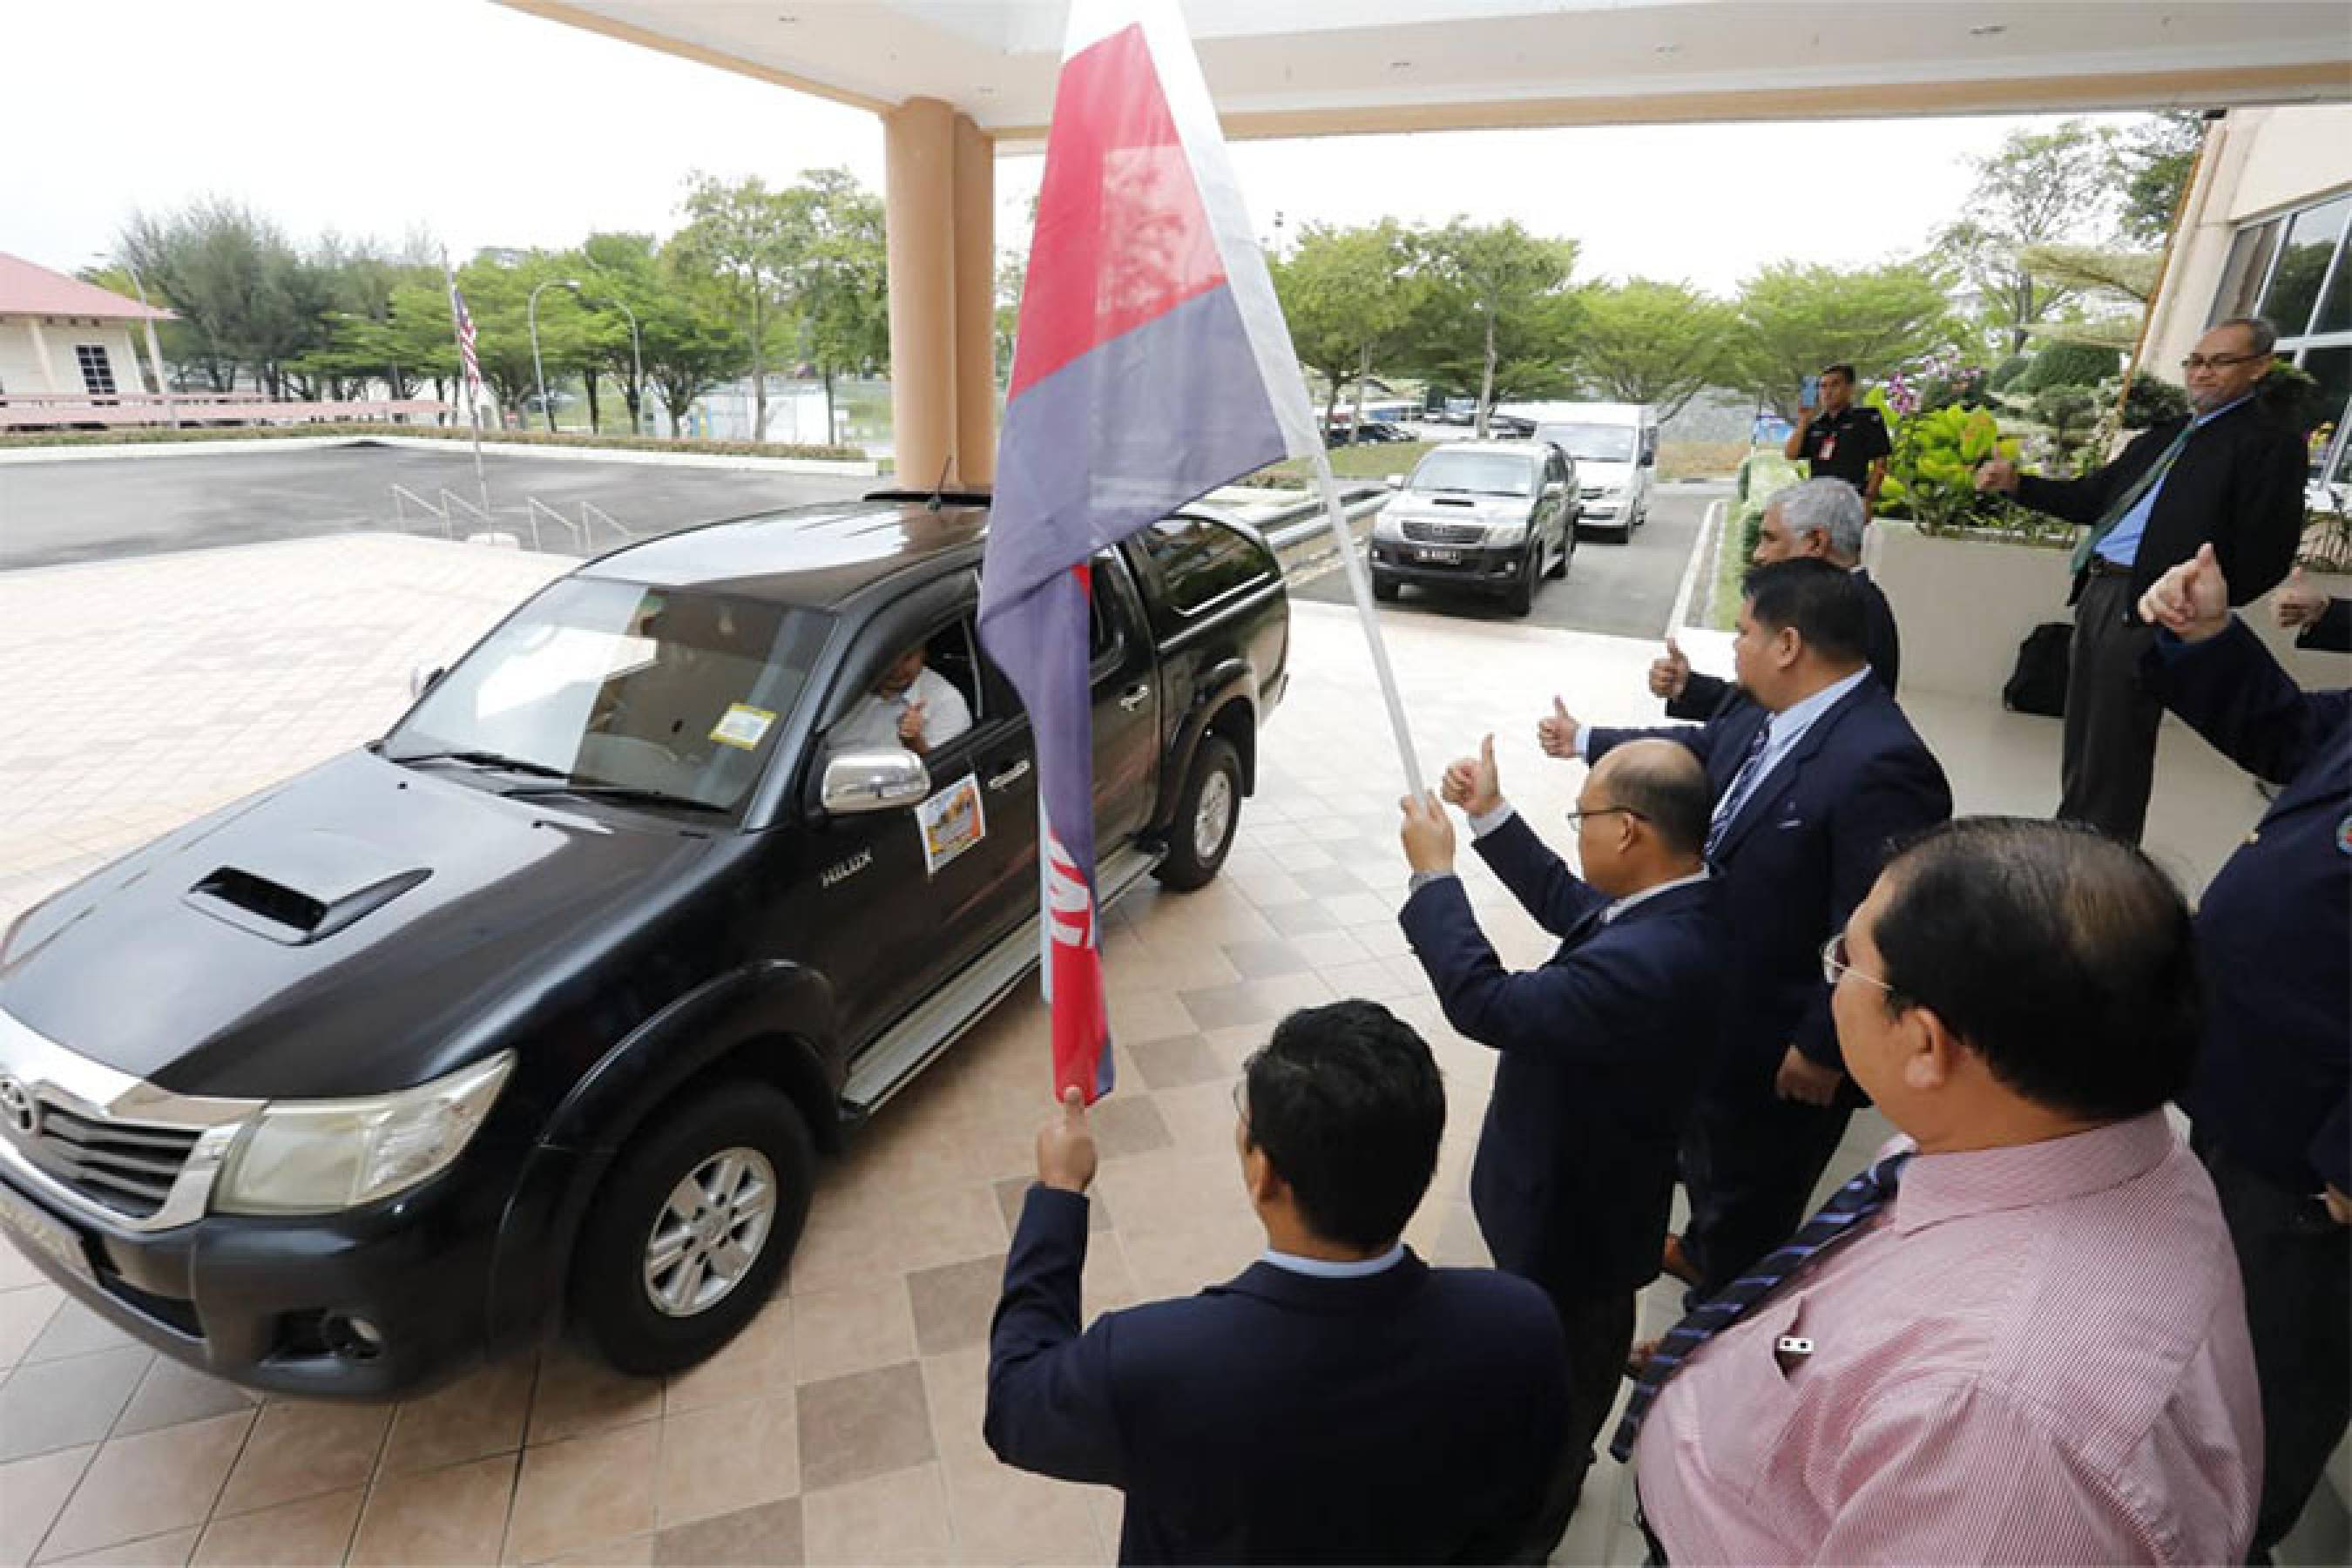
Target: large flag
{"x":467,"y":354}
{"x":1151,"y":366}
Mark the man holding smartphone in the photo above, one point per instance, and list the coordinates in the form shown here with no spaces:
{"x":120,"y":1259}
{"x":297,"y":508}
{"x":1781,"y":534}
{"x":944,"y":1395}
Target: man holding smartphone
{"x":1840,"y":438}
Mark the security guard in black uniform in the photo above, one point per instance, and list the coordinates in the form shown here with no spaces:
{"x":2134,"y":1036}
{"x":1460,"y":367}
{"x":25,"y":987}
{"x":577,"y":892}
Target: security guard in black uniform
{"x":2274,"y":937}
{"x":1842,"y":439}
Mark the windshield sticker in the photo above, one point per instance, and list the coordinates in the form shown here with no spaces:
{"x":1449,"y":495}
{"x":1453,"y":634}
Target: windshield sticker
{"x":743,"y":726}
{"x":951,"y":822}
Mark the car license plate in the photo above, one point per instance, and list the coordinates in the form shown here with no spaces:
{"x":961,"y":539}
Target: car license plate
{"x":1439,"y":557}
{"x":38,"y":1233}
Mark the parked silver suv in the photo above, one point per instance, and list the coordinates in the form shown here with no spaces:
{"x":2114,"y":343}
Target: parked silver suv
{"x":1494,"y":516}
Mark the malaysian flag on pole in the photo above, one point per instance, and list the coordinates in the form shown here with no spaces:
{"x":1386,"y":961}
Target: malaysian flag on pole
{"x":1152,"y":367}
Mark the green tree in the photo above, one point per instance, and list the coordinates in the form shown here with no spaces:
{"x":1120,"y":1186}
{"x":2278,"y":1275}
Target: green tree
{"x":839,"y":272}
{"x":2151,"y":163}
{"x":2043,"y":187}
{"x":1794,"y":318}
{"x":1495,"y":312}
{"x":245,"y":298}
{"x":692,"y":340}
{"x":1659,"y":343}
{"x":747,"y":239}
{"x":1348,"y":296}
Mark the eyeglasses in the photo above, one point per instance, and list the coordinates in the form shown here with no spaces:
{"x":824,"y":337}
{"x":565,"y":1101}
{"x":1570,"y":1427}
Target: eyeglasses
{"x":2218,"y":362}
{"x":1836,"y":963}
{"x":1576,"y":818}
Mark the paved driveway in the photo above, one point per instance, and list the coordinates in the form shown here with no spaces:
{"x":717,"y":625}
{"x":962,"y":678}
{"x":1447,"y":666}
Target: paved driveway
{"x":109,"y":508}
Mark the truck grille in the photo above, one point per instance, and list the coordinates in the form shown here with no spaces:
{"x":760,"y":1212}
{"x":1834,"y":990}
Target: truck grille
{"x":126,"y":1166}
{"x":1419,"y":533}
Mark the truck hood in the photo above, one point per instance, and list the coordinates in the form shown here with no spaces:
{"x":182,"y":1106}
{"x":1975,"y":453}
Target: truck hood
{"x":1593,"y":474}
{"x":360,"y":928}
{"x":1450,"y":506}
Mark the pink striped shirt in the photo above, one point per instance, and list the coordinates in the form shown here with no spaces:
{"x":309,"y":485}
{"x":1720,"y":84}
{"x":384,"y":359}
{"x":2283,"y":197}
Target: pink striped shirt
{"x":2035,"y":1355}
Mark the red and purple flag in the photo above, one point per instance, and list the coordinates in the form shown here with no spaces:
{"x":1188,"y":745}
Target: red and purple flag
{"x":1151,"y":366}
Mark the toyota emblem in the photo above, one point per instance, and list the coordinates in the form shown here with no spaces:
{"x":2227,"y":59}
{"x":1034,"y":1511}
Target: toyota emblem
{"x":17,"y":1111}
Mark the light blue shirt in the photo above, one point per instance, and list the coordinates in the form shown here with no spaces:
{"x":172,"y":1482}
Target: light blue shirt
{"x":1782,"y":731}
{"x":1324,"y":1269}
{"x":2121,"y":543}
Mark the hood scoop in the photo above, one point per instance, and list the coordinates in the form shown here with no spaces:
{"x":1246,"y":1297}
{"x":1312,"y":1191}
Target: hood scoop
{"x":1453,"y":500}
{"x":304,"y":889}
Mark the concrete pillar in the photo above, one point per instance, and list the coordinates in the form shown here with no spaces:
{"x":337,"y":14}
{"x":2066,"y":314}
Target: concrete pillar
{"x":975,"y":304}
{"x":918,"y":144}
{"x":41,"y":354}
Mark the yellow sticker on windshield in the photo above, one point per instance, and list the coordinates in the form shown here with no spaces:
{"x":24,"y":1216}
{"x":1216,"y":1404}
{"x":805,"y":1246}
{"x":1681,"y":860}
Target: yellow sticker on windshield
{"x":744,"y":727}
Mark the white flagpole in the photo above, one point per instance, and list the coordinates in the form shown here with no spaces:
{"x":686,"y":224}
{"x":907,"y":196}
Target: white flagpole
{"x":1361,"y":584}
{"x":472,"y":385}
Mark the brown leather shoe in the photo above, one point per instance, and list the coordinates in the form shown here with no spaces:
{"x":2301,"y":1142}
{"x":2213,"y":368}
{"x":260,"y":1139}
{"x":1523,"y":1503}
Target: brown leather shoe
{"x":1676,"y":1262}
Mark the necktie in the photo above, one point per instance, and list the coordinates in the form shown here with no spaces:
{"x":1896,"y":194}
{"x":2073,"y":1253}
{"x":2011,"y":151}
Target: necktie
{"x":2132,"y":495}
{"x":1741,"y":783}
{"x":1841,"y":1217}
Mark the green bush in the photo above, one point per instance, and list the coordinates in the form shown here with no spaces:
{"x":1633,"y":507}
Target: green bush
{"x":2070,"y":364}
{"x":2005,"y":372}
{"x":2150,"y":401}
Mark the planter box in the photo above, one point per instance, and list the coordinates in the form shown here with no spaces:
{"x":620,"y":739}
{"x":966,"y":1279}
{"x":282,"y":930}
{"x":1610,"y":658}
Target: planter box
{"x":1964,"y":604}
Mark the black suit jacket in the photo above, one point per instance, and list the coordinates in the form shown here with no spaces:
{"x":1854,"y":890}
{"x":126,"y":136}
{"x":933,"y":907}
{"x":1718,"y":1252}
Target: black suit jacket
{"x":1604,"y":1051}
{"x":2332,"y":632}
{"x":2237,"y":484}
{"x":2274,"y":929}
{"x":1802,"y":852}
{"x":1704,"y":696}
{"x":1411,"y":1416}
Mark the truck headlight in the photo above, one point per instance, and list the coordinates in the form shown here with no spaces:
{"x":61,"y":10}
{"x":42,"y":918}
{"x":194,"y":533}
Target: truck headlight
{"x":319,"y":1156}
{"x":1503,"y":536}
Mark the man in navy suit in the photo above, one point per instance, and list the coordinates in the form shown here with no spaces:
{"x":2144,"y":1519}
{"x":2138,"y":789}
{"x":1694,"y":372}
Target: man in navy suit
{"x":2272,"y":1104}
{"x":1822,"y":518}
{"x":1603,"y":1048}
{"x":1338,"y":1402}
{"x":1813,"y":780}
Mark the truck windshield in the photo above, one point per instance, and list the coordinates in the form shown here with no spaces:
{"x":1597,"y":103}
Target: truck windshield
{"x":1478,"y":473}
{"x":1591,"y":443}
{"x":645,"y":691}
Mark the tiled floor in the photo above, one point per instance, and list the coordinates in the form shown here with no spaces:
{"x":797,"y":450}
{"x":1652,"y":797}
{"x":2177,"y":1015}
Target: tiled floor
{"x":845,"y":1426}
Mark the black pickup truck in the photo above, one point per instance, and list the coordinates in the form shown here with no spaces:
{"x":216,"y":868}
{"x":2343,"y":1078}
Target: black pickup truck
{"x":540,"y":1008}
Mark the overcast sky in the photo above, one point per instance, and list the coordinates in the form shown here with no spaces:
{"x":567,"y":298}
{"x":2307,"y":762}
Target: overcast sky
{"x":484,"y":126}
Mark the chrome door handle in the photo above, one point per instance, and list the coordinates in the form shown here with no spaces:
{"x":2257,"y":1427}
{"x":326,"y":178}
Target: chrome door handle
{"x":1011,"y":776}
{"x":1136,"y":696}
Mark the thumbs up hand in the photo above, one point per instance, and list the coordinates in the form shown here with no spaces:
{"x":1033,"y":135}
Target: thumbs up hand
{"x":2299,"y":604}
{"x":1557,"y":731}
{"x":1066,"y":1146}
{"x":1472,"y":784}
{"x":2192,"y":601}
{"x":1670,"y":673}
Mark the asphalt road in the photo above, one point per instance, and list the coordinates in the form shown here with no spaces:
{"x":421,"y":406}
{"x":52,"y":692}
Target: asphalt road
{"x":1624,"y":590}
{"x":109,"y":507}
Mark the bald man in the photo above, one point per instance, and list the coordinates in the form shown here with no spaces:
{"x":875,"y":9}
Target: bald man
{"x":1603,"y":1048}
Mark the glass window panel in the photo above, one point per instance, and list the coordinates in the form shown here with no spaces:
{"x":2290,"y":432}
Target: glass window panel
{"x":2310,"y":244}
{"x":2336,"y":310}
{"x":2242,"y":274}
{"x":2331,"y":369}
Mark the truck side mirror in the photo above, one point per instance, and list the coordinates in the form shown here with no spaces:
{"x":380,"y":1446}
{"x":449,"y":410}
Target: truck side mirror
{"x":423,"y":678}
{"x":1394,"y":481}
{"x":879,"y":779}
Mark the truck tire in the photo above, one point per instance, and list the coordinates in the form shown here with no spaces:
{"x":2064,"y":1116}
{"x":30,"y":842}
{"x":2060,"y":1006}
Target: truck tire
{"x":1566,"y":552}
{"x":1207,"y":813}
{"x":1384,"y":588}
{"x":742,"y":1147}
{"x":1519,"y":599}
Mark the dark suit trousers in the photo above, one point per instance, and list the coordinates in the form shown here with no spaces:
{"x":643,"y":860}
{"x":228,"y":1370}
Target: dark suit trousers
{"x":1600,"y":1337}
{"x":2298,"y":1267}
{"x":1750,"y":1165}
{"x":2109,"y":761}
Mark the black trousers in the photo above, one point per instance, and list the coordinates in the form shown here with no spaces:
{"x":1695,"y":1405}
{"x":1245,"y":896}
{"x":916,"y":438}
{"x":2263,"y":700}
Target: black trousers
{"x":1600,"y":1333}
{"x":1750,"y":1165}
{"x":2298,"y":1267}
{"x":2109,"y":765}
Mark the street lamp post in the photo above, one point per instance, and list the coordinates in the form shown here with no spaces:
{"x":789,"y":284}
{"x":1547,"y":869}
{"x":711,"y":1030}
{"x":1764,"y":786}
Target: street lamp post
{"x":538,"y":367}
{"x":637,"y":356}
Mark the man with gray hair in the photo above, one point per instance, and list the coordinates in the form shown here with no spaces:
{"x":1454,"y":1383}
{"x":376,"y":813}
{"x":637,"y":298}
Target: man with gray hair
{"x":1822,"y":517}
{"x":2229,"y":473}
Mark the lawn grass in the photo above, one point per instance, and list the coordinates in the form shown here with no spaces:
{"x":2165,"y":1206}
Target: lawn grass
{"x":1374,"y":461}
{"x":1699,"y":460}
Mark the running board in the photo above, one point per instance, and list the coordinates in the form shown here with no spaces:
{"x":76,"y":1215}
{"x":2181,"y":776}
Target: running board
{"x":909,"y":1045}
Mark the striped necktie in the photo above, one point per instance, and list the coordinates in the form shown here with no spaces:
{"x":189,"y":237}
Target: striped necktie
{"x":1843,"y":1215}
{"x":1741,"y":783}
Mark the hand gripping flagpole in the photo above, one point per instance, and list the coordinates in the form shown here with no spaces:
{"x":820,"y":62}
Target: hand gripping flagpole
{"x":1360,"y":584}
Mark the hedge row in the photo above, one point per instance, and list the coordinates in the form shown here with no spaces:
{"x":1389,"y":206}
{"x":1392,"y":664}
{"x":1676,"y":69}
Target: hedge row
{"x":144,"y":434}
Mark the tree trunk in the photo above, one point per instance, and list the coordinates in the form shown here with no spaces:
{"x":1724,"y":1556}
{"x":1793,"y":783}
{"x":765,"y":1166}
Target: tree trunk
{"x":1363,"y":373}
{"x":826,"y":377}
{"x":759,"y":366}
{"x":634,"y":395}
{"x":1331,"y":405}
{"x":1486,"y":378}
{"x":595,"y":422}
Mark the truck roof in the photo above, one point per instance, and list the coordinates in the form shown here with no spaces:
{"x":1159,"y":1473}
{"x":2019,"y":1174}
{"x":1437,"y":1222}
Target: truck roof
{"x":811,"y":556}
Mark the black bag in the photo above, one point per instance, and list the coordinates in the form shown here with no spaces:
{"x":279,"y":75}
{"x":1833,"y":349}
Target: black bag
{"x":2039,"y":683}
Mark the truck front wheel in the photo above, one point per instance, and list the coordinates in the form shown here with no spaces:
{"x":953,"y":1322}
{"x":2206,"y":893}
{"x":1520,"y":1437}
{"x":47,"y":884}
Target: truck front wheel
{"x":691,"y":1231}
{"x":1202,"y":834}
